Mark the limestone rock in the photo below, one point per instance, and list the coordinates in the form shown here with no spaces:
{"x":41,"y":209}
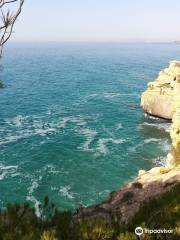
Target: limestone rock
{"x":162,"y":99}
{"x":141,"y":172}
{"x":158,"y":105}
{"x":159,"y":98}
{"x":174,"y":156}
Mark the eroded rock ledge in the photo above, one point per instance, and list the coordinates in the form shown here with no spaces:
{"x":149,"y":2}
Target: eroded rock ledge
{"x":162,"y":98}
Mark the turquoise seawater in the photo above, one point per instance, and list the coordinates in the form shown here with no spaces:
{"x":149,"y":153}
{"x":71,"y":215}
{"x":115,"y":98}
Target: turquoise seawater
{"x":71,"y":126}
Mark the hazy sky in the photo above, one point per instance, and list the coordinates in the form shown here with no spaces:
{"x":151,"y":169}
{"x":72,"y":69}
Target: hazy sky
{"x":99,"y":20}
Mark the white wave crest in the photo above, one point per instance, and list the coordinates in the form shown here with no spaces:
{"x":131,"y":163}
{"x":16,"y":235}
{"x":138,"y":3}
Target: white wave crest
{"x":21,"y":127}
{"x":30,"y":197}
{"x":165,"y":146}
{"x":17,"y":121}
{"x":110,"y":95}
{"x":90,"y":135}
{"x":150,"y":140}
{"x":161,"y":126}
{"x":65,"y":191}
{"x":6,"y":171}
{"x":119,"y":126}
{"x":102,"y":144}
{"x":151,"y":117}
{"x":160,"y":161}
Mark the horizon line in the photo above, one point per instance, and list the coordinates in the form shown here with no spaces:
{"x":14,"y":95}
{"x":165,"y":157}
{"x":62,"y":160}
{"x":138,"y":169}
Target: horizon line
{"x":93,"y":41}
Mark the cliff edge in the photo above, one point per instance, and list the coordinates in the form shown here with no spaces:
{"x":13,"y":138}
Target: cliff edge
{"x":162,"y":99}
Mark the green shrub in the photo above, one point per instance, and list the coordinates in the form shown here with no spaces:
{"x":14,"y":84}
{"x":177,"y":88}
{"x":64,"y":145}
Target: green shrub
{"x":127,"y":236}
{"x":127,"y":196}
{"x":48,"y":235}
{"x":19,"y":222}
{"x":164,"y":170}
{"x":160,"y":213}
{"x":96,"y":229}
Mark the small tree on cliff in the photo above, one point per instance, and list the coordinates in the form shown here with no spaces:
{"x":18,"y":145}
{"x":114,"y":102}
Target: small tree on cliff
{"x":9,"y":12}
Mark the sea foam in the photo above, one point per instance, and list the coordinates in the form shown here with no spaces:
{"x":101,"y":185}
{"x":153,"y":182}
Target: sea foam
{"x":6,"y":171}
{"x":89,"y":134}
{"x":23,"y":127}
{"x":102,"y":144}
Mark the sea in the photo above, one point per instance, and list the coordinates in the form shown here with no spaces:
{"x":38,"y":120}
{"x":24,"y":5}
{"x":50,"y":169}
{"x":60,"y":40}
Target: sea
{"x":71,"y":125}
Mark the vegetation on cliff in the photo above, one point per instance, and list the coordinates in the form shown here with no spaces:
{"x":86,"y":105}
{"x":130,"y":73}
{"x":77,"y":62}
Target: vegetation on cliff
{"x":20,"y":222}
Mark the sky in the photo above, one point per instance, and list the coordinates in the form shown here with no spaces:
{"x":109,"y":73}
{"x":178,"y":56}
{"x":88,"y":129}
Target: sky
{"x":98,"y":21}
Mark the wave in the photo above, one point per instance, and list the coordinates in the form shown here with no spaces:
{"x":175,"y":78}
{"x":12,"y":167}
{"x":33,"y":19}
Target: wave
{"x":5,"y":171}
{"x":113,"y":95}
{"x":50,"y":168}
{"x":110,"y":95}
{"x":65,"y":191}
{"x":80,"y":121}
{"x":160,"y":161}
{"x":165,"y":146}
{"x":18,"y":121}
{"x":151,"y":117}
{"x":102,"y":144}
{"x":90,"y":136}
{"x":135,"y":147}
{"x":162,"y":144}
{"x":30,"y":197}
{"x":23,"y":127}
{"x":93,"y":95}
{"x":150,"y":140}
{"x":119,"y":126}
{"x":104,"y":193}
{"x":161,"y":126}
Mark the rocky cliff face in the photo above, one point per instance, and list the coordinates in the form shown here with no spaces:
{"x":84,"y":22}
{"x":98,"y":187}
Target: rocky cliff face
{"x":162,"y":99}
{"x":174,"y":156}
{"x":126,"y":201}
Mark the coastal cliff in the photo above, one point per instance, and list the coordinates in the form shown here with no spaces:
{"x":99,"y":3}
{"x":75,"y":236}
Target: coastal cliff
{"x":161,"y":99}
{"x":126,"y":201}
{"x":173,"y":157}
{"x":151,"y":201}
